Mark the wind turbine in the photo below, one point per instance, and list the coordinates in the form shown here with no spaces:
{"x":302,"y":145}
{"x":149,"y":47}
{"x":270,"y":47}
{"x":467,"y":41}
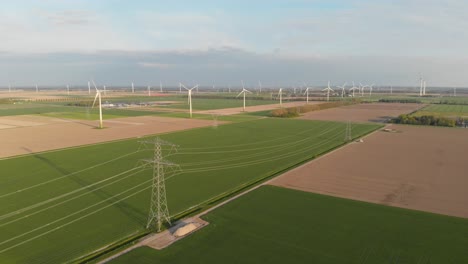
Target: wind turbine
{"x":342,"y":89}
{"x":160,"y":87}
{"x":361,"y":86}
{"x":307,"y":94}
{"x":98,"y":96}
{"x":328,"y":89}
{"x":189,"y":96}
{"x":370,"y":89}
{"x":68,"y":89}
{"x":89,"y":87}
{"x":260,"y":86}
{"x":244,"y":91}
{"x":105,"y":91}
{"x":149,"y":90}
{"x":133,"y":88}
{"x":354,"y":88}
{"x":280,"y":93}
{"x":37,"y":89}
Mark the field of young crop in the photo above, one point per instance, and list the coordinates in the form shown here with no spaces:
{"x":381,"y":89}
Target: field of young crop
{"x":61,"y":205}
{"x":276,"y":225}
{"x":444,"y":110}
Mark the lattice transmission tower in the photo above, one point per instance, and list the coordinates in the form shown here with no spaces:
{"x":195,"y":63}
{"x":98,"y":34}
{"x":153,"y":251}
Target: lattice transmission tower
{"x":348,"y":134}
{"x":159,"y":212}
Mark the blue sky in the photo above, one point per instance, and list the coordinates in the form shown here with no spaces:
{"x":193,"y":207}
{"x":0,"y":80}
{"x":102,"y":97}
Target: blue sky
{"x":53,"y":42}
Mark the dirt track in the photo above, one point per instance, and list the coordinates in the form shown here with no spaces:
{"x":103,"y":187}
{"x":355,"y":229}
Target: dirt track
{"x":422,"y":168}
{"x":375,"y":112}
{"x":26,"y":134}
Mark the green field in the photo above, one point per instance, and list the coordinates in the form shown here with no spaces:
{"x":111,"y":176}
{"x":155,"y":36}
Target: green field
{"x":64,"y":110}
{"x":61,"y":205}
{"x":276,"y":225}
{"x":444,"y":110}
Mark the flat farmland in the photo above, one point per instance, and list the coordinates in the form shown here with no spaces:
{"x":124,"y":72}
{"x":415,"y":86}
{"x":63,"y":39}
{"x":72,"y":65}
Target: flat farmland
{"x":255,"y":108}
{"x":421,"y":168}
{"x":277,"y":225}
{"x":61,"y":205}
{"x":29,"y":134}
{"x":366,"y":112}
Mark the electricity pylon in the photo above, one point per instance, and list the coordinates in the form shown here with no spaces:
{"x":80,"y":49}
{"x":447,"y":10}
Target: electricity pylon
{"x":348,"y":136}
{"x":159,"y":212}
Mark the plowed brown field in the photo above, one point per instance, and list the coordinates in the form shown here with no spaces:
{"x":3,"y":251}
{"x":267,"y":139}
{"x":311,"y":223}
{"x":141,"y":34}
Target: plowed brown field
{"x":422,"y":168}
{"x":374,"y":112}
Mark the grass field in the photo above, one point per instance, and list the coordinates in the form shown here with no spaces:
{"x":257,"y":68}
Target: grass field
{"x":276,"y":225}
{"x":61,"y":205}
{"x":444,"y":110}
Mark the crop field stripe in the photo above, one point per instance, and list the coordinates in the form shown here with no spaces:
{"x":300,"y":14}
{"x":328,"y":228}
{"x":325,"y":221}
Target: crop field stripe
{"x":323,"y":124}
{"x":65,"y":176}
{"x":63,"y":202}
{"x":65,"y":194}
{"x":75,"y":220}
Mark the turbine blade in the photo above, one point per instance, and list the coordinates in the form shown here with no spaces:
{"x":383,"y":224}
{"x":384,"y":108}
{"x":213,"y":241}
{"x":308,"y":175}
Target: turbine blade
{"x":240,"y":94}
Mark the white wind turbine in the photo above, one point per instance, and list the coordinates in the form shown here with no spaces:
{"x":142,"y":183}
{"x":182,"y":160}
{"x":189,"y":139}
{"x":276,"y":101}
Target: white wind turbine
{"x":342,"y":89}
{"x":89,"y":87}
{"x":160,"y":87}
{"x":189,"y":96}
{"x":98,"y":97}
{"x":280,"y":94}
{"x":133,"y":88}
{"x":149,"y":90}
{"x":37,"y":89}
{"x":354,"y":88}
{"x":362,"y":88}
{"x":244,"y":91}
{"x":260,"y":86}
{"x":370,"y":89}
{"x":307,"y":94}
{"x":328,"y":89}
{"x":68,"y":89}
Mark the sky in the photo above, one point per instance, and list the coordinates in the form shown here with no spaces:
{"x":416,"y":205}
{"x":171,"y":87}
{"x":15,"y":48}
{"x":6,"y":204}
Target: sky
{"x":279,"y":42}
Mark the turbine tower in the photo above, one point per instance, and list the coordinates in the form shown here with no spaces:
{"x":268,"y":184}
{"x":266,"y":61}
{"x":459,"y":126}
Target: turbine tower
{"x":89,"y":87}
{"x":354,"y":88}
{"x":105,"y":91}
{"x":133,"y":88}
{"x":68,"y":89}
{"x":244,"y":91}
{"x":37,"y":89}
{"x":160,"y":87}
{"x":159,"y":211}
{"x":307,"y":94}
{"x":370,"y":90}
{"x":280,"y":94}
{"x":149,"y":90}
{"x":328,"y":89}
{"x":189,"y":96}
{"x":98,"y":97}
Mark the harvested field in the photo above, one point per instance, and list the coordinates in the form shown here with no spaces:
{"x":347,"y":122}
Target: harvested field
{"x":26,"y":134}
{"x":256,"y":108}
{"x":375,"y":112}
{"x":422,"y":168}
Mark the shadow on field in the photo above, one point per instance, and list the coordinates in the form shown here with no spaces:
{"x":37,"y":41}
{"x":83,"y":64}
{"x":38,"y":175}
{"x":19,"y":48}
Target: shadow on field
{"x":124,"y":207}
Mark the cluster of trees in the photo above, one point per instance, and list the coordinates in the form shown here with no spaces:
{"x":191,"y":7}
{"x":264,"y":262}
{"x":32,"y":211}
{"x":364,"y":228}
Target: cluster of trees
{"x":400,"y":100}
{"x":453,"y":102}
{"x":424,"y":120}
{"x":296,"y":111}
